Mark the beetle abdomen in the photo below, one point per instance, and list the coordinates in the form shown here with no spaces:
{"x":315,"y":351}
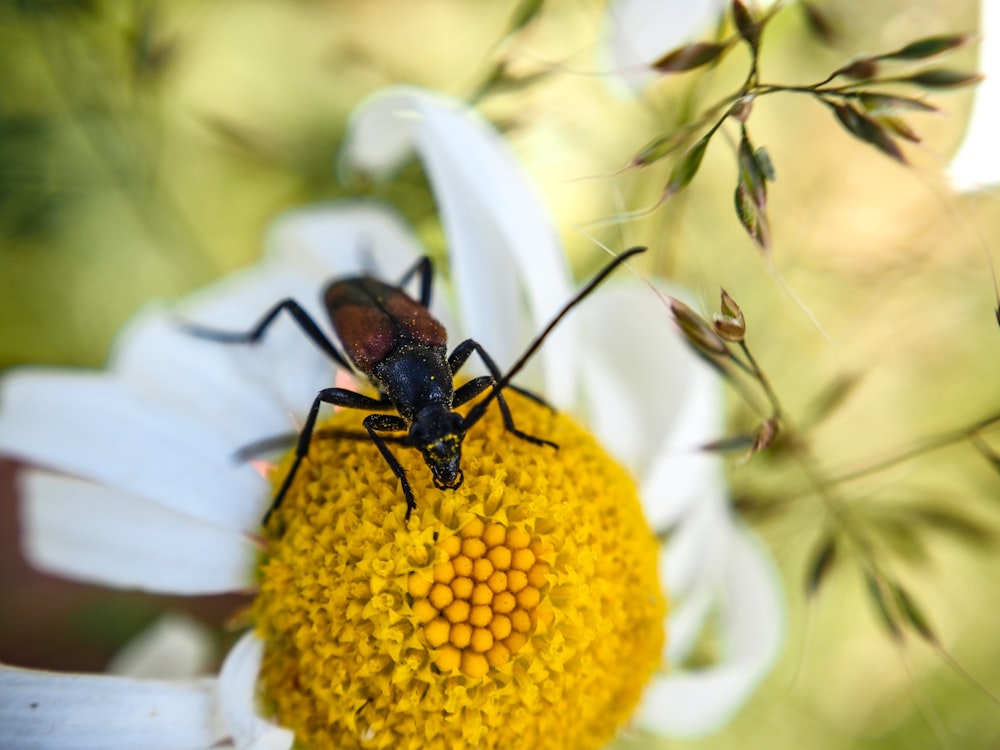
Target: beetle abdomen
{"x":371,"y":318}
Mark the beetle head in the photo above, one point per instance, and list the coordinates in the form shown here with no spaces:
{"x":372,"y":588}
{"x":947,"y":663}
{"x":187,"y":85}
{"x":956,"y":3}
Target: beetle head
{"x":437,"y":433}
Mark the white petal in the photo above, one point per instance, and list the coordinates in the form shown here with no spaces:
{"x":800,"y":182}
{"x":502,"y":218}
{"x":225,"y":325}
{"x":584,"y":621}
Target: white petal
{"x":680,"y":475}
{"x":238,"y":700}
{"x":173,"y":647}
{"x":343,"y":238}
{"x":639,"y":32}
{"x":692,"y":567}
{"x":243,"y":393}
{"x":686,"y":621}
{"x":754,"y":613}
{"x":90,"y":425}
{"x":500,"y":238}
{"x":89,"y":532}
{"x":284,"y":369}
{"x":977,"y":162}
{"x":691,"y":703}
{"x":46,"y":710}
{"x":246,"y":295}
{"x":650,"y":400}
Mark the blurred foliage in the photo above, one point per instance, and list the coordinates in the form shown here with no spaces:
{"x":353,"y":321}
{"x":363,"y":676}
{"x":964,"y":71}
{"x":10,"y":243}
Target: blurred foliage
{"x":880,"y":293}
{"x":146,"y":146}
{"x":879,"y":300}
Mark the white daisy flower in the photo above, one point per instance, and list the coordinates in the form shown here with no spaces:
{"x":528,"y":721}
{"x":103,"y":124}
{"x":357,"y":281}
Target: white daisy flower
{"x":522,"y":608}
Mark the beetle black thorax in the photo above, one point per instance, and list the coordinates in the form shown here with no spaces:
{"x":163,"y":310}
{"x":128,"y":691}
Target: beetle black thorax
{"x":414,"y":376}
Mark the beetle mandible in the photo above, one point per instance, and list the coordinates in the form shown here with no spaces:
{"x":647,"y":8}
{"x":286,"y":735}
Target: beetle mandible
{"x":401,"y":348}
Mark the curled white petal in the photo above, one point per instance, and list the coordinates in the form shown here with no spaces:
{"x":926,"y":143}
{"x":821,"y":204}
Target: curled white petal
{"x":90,"y":532}
{"x":238,"y":700}
{"x":639,"y":32}
{"x":51,"y":711}
{"x":500,"y":239}
{"x":173,"y":647}
{"x":695,"y":702}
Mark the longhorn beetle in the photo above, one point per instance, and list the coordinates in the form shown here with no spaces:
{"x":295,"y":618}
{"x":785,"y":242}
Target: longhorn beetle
{"x":395,"y":342}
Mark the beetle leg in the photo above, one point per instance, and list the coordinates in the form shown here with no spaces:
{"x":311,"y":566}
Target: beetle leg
{"x":532,"y":395}
{"x":461,"y":354}
{"x":265,"y":445}
{"x":306,"y":323}
{"x":376,"y":423}
{"x":337,"y":397}
{"x":468,"y":391}
{"x":458,"y":358}
{"x":287,"y":440}
{"x":331,"y":433}
{"x":425,"y":271}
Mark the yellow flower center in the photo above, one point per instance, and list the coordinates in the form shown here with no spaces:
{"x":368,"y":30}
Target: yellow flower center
{"x":480,"y":604}
{"x":522,"y":609}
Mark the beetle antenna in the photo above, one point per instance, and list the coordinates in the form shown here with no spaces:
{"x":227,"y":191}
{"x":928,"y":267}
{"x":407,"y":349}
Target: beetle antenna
{"x":476,"y":413}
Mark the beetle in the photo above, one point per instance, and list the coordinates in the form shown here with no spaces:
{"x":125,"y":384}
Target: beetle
{"x":394,"y":341}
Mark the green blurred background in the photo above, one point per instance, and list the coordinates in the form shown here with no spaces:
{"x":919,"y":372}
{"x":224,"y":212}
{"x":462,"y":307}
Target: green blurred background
{"x":145,"y":147}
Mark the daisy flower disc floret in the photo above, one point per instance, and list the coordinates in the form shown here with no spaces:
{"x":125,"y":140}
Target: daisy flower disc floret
{"x":521,"y":610}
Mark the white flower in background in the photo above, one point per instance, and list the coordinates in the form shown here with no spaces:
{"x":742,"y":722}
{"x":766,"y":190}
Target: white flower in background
{"x":135,"y":487}
{"x":640,"y":32}
{"x":977,"y":162}
{"x":175,"y":646}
